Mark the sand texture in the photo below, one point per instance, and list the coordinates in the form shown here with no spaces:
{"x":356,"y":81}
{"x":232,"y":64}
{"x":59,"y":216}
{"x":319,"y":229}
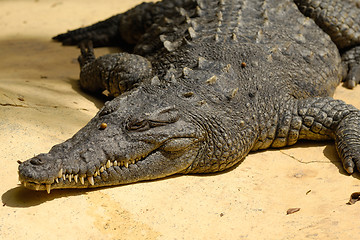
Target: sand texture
{"x":41,"y":105}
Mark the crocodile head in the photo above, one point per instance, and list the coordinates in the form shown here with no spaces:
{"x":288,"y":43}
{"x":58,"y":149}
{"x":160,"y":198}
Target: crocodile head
{"x":137,"y":136}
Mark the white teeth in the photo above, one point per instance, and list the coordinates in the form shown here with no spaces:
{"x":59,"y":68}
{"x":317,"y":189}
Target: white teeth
{"x":76,"y":177}
{"x":60,"y":173}
{"x":82,"y":180}
{"x":91,"y":180}
{"x":116,"y":163}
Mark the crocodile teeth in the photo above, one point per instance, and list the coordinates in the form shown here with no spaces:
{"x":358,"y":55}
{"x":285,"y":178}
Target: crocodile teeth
{"x":37,"y":187}
{"x":64,"y":177}
{"x":95,"y":174}
{"x":115,"y":163}
{"x":76,"y":177}
{"x":48,"y":187}
{"x":91,"y":180}
{"x":70,"y":177}
{"x":60,"y":173}
{"x":57,"y":180}
{"x":24,"y":184}
{"x":82,"y":180}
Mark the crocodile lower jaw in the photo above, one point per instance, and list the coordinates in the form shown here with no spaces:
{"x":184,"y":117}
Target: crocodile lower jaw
{"x":70,"y":180}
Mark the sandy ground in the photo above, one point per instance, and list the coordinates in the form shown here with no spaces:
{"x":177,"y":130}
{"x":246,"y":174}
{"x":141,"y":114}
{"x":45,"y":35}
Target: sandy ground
{"x":41,"y":105}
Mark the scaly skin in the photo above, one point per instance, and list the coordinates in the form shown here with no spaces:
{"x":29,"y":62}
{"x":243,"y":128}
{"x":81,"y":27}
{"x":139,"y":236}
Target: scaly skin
{"x":206,"y":82}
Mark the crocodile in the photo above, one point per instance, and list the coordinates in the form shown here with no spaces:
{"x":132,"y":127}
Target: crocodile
{"x":201,"y":83}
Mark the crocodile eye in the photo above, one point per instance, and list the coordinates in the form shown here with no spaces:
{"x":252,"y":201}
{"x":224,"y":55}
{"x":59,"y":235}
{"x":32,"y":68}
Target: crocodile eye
{"x":138,"y":125}
{"x":157,"y":119}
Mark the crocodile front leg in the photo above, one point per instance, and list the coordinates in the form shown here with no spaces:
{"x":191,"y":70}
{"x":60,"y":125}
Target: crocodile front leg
{"x":336,"y":119}
{"x":317,"y":119}
{"x":116,"y":73}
